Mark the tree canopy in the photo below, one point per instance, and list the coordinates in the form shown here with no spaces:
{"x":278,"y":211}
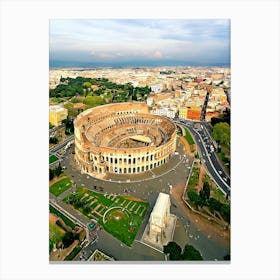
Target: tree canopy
{"x":87,"y":85}
{"x":70,"y":87}
{"x":175,"y":252}
{"x":68,"y":239}
{"x":195,"y":198}
{"x":224,"y":118}
{"x":53,"y":140}
{"x":93,"y":101}
{"x":55,"y":172}
{"x":190,"y":253}
{"x":221,"y":133}
{"x":205,"y":191}
{"x":69,"y":126}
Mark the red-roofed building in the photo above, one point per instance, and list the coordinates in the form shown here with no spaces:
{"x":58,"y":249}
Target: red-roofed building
{"x":198,"y":80}
{"x":193,"y":114}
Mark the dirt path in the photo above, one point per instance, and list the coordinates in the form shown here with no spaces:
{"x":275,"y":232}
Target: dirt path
{"x":186,"y":144}
{"x":133,"y":198}
{"x":52,"y":218}
{"x":209,"y":228}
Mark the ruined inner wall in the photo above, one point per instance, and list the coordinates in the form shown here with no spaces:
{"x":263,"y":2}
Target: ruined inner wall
{"x":108,"y":139}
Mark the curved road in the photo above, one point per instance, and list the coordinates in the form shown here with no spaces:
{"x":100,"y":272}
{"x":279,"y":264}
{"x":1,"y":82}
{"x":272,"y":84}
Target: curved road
{"x":208,"y":158}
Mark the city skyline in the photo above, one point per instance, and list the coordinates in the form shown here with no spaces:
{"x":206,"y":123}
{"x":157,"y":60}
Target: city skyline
{"x":139,"y":42}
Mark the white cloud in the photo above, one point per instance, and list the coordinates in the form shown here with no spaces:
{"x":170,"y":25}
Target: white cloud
{"x":143,"y":39}
{"x":157,"y":54}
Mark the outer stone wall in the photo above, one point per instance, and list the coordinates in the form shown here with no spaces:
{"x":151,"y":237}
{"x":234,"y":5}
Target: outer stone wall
{"x":108,"y":139}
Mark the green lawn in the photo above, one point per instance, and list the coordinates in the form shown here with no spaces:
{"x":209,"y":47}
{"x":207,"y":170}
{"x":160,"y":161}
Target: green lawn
{"x":65,"y":219}
{"x":193,"y":181}
{"x":56,"y":233}
{"x":218,"y":194}
{"x":51,"y":244}
{"x":52,"y":159}
{"x":60,"y":186}
{"x":179,"y":132}
{"x":189,"y":137}
{"x":123,"y":222}
{"x":225,"y":160}
{"x":74,"y":253}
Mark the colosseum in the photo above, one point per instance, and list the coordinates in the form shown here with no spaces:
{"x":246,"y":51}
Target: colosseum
{"x":122,"y":138}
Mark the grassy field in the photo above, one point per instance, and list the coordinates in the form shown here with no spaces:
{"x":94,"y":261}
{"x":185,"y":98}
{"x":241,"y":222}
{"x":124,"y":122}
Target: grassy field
{"x":218,"y":194}
{"x":65,"y":219}
{"x":52,"y":159}
{"x":225,"y":160}
{"x":60,"y":186}
{"x":193,"y":181}
{"x":74,"y":253}
{"x":122,"y":222}
{"x":215,"y":191}
{"x":56,"y":232}
{"x":179,"y":132}
{"x":188,"y":137}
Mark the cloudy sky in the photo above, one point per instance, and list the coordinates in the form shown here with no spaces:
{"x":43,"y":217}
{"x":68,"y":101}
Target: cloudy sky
{"x":127,"y":42}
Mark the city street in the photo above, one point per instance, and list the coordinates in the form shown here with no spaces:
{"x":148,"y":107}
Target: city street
{"x":208,"y":157}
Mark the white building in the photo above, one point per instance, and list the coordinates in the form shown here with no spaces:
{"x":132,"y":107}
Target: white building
{"x":164,"y":112}
{"x":150,"y":101}
{"x":156,"y":88}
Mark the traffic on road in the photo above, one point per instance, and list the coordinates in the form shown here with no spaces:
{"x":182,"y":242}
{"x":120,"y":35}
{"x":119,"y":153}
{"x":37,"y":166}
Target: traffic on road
{"x":208,"y":155}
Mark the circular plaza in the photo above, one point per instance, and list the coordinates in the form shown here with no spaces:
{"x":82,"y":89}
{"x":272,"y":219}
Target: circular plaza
{"x":122,"y":138}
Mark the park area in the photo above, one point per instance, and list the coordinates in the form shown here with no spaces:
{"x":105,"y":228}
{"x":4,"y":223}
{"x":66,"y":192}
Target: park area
{"x":121,"y":216}
{"x":56,"y":232}
{"x":60,"y":186}
{"x":188,"y":137}
{"x":204,"y":196}
{"x":52,"y":159}
{"x":64,"y":237}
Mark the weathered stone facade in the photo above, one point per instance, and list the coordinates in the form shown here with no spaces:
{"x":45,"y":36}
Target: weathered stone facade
{"x":122,"y":138}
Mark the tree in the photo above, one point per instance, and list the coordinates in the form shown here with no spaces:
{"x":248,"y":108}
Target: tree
{"x":225,"y":212}
{"x":221,"y":133}
{"x":53,"y":140}
{"x":214,"y":204}
{"x":205,"y":191}
{"x":174,"y":251}
{"x":57,"y":171}
{"x":68,"y":239}
{"x":190,"y":253}
{"x":86,"y":208}
{"x":195,"y":198}
{"x":87,"y":85}
{"x":224,"y":118}
{"x":69,"y":125}
{"x":51,"y":174}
